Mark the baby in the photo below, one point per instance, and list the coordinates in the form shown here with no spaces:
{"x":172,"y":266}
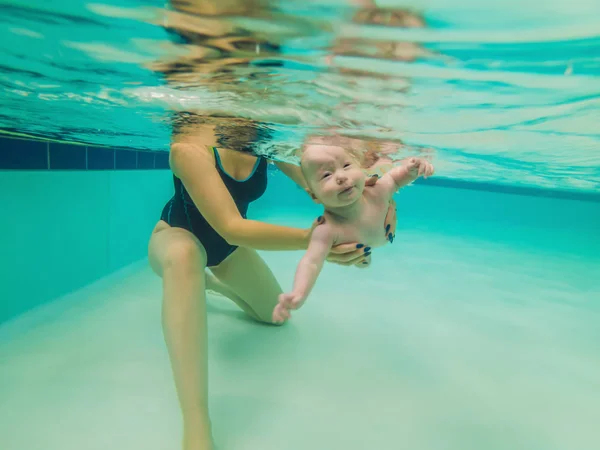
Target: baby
{"x":353,"y":212}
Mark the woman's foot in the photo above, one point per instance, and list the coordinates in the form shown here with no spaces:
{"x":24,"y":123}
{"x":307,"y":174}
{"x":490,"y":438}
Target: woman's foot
{"x":198,"y":444}
{"x":198,"y":437}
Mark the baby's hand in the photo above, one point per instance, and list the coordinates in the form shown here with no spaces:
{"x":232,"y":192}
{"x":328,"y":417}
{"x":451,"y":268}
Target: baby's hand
{"x":287,"y":302}
{"x":280,"y":314}
{"x":292,"y":300}
{"x":420,"y":167}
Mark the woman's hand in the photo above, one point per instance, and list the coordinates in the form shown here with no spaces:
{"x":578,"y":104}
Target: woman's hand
{"x":366,"y":263}
{"x":356,"y":254}
{"x":390,"y":222}
{"x":390,"y":218}
{"x":349,"y":254}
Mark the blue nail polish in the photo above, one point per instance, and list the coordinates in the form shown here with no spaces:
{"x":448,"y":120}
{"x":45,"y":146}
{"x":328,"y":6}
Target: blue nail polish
{"x":367,"y":254}
{"x":319,"y":218}
{"x":359,"y":245}
{"x":367,"y":249}
{"x":364,"y":262}
{"x":387,"y":228}
{"x":391,"y":238}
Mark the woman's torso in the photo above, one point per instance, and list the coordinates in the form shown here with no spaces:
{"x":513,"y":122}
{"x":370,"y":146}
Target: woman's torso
{"x":181,"y":211}
{"x":243,"y":190}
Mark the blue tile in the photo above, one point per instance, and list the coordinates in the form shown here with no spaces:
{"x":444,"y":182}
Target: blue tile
{"x":161,"y":160}
{"x":125,"y":159}
{"x":100,"y":158}
{"x":23,"y":155}
{"x":145,"y":160}
{"x":67,"y":157}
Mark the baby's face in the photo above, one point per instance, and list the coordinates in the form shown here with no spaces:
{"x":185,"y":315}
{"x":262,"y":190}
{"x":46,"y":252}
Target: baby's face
{"x":333,"y":176}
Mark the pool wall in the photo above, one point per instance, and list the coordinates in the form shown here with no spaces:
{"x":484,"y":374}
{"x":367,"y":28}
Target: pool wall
{"x":73,"y":214}
{"x":62,"y":228}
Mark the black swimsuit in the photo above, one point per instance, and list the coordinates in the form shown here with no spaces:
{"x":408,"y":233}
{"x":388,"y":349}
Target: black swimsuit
{"x":181,"y":211}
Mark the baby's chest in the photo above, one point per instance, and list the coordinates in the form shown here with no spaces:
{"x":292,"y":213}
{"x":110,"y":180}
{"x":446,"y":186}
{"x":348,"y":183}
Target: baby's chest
{"x":369,"y":228}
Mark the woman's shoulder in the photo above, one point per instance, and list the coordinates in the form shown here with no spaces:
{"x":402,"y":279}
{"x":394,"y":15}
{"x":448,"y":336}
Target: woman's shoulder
{"x":183,"y":154}
{"x":189,"y":150}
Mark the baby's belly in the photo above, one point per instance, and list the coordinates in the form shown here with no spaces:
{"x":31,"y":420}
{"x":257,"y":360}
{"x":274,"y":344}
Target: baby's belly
{"x":368,"y":234}
{"x":374,"y":239}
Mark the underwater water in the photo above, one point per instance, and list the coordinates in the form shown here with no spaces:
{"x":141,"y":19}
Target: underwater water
{"x":463,"y":334}
{"x":477,"y":329}
{"x":501,"y":91}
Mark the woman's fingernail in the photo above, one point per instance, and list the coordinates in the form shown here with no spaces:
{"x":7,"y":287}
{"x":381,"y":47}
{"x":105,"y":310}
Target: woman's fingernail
{"x":387,"y":228}
{"x":391,"y":238}
{"x":364,"y":262}
{"x":367,"y":254}
{"x":359,"y":245}
{"x":367,"y":249}
{"x":320,"y":219}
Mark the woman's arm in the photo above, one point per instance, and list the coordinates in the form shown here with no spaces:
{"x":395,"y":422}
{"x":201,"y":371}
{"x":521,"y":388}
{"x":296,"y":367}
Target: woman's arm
{"x":194,"y":165}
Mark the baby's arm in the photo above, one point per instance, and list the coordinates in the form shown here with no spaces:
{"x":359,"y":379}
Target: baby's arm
{"x":404,"y":174}
{"x":311,"y":263}
{"x":308,"y":271}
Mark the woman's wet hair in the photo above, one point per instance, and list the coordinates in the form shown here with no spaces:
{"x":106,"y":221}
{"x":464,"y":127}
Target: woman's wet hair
{"x":246,"y":138}
{"x":235,"y":133}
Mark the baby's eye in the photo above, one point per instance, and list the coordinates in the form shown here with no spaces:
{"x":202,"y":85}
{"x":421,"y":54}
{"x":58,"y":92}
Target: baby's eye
{"x":347,"y":165}
{"x":325,"y":175}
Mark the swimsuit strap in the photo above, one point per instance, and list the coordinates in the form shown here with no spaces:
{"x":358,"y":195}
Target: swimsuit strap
{"x":222,"y":169}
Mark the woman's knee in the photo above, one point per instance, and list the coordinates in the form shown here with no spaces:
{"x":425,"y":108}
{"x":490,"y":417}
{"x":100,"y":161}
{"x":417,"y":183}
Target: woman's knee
{"x":275,"y":324}
{"x":268,"y":320}
{"x":183,"y":255}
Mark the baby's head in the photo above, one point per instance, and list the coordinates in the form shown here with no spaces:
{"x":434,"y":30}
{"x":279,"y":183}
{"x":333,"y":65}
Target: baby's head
{"x":333,"y":176}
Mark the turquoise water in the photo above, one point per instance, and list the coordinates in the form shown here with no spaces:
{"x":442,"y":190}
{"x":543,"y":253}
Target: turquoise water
{"x":502,"y":93}
{"x":477,"y":329}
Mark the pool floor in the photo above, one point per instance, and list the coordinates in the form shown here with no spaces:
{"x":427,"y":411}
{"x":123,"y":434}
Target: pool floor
{"x":443,"y":344}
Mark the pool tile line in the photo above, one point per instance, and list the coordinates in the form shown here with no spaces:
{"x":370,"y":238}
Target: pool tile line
{"x":24,"y":154}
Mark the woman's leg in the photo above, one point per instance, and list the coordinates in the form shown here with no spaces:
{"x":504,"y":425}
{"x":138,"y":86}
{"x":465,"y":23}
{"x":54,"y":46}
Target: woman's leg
{"x":178,"y":257}
{"x":215,"y":285}
{"x":252,"y":283}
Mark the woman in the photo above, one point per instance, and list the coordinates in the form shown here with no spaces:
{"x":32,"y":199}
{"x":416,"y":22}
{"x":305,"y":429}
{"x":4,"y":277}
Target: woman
{"x":205,"y":225}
